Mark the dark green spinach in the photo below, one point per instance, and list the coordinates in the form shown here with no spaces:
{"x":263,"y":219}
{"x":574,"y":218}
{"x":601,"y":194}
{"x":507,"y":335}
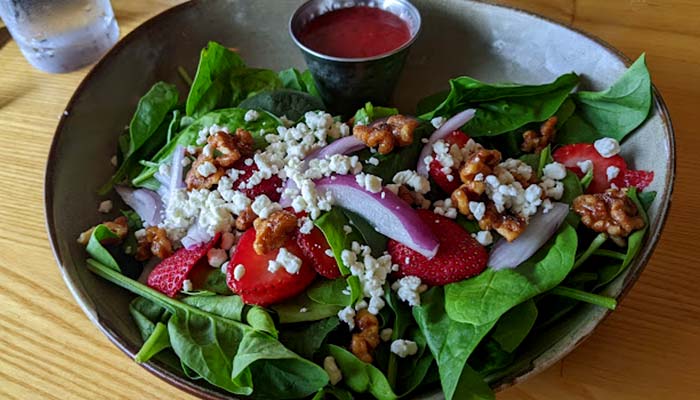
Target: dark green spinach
{"x":288,"y":103}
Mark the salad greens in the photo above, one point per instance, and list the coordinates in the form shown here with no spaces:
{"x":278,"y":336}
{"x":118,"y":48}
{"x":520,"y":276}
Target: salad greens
{"x":463,"y":333}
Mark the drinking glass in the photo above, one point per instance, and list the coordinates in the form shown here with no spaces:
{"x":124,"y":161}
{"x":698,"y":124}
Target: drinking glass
{"x":60,"y":35}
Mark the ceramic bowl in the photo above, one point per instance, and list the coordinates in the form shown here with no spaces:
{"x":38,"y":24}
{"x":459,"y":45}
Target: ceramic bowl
{"x":489,"y":42}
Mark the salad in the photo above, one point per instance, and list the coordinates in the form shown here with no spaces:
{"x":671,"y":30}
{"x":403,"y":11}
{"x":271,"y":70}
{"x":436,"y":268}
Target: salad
{"x":280,"y":252}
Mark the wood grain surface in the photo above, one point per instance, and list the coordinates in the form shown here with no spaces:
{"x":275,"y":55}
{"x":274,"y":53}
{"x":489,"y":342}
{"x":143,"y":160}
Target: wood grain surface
{"x":648,"y":349}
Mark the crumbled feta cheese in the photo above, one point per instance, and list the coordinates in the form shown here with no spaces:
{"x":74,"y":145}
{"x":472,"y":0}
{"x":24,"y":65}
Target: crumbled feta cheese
{"x":407,"y":288}
{"x":612,"y":172}
{"x":478,"y":209}
{"x":370,"y":183}
{"x":331,"y":368}
{"x":547,"y":206}
{"x":248,"y":162}
{"x":263,"y":206}
{"x":238,"y":272}
{"x":206,"y":169}
{"x":404,"y":348}
{"x":450,"y":178}
{"x":191,"y":149}
{"x":445,"y":208}
{"x":411,"y":178}
{"x":479,"y":177}
{"x":483,"y":237}
{"x":437,"y":122}
{"x":185,"y":161}
{"x":585,"y":165}
{"x":373,"y":160}
{"x":303,"y":310}
{"x":187,"y":285}
{"x":347,"y":315}
{"x":224,"y":267}
{"x":207,"y":150}
{"x":361,"y":305}
{"x":555,"y":171}
{"x":347,"y":229}
{"x":105,"y":206}
{"x":385,"y":334}
{"x":251,"y":115}
{"x":287,"y":260}
{"x":607,"y":147}
{"x":328,"y":252}
{"x":114,"y":161}
{"x":140,"y":234}
{"x":552,"y":188}
{"x":372,"y":273}
{"x":216,"y":257}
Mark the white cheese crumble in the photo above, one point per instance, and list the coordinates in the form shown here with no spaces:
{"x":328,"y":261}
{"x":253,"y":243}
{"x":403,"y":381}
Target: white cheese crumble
{"x":216,"y":257}
{"x":437,"y":122}
{"x":206,"y":169}
{"x":347,"y":229}
{"x":607,"y":147}
{"x":478,"y":209}
{"x":285,"y":259}
{"x":370,"y":183}
{"x":483,"y":237}
{"x":411,"y":178}
{"x":105,"y":206}
{"x":303,"y":310}
{"x":347,"y":315}
{"x":554,"y":171}
{"x":445,"y":208}
{"x":187,"y":285}
{"x":585,"y":165}
{"x":238,"y":272}
{"x":372,"y":273}
{"x":331,"y":368}
{"x":263,"y":206}
{"x":251,"y":115}
{"x":224,"y":267}
{"x":361,"y":305}
{"x":409,"y":289}
{"x":385,"y":334}
{"x":373,"y":160}
{"x":612,"y":172}
{"x":404,"y":348}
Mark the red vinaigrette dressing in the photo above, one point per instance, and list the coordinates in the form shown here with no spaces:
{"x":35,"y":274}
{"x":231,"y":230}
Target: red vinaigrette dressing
{"x":355,"y":32}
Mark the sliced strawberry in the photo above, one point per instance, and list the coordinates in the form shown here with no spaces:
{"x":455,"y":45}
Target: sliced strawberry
{"x":448,"y":185}
{"x":168,"y":276}
{"x":631,"y":177}
{"x":572,"y":154}
{"x":459,"y":256}
{"x":260,"y":286}
{"x":267,"y":187}
{"x":316,"y":249}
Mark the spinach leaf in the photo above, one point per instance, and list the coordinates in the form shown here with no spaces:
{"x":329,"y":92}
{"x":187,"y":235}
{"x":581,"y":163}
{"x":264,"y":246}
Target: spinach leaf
{"x":231,"y":118}
{"x":294,"y":80}
{"x":289,"y":311}
{"x":368,"y":113}
{"x":374,"y":239}
{"x":210,"y":88}
{"x":310,"y":83}
{"x":484,"y":298}
{"x":259,"y":319}
{"x":360,"y":376}
{"x":646,"y":198}
{"x":512,"y":328}
{"x":226,"y":353}
{"x":576,"y":130}
{"x":158,"y":341}
{"x":247,"y":82}
{"x":333,"y":392}
{"x":451,"y":343}
{"x":398,"y":160}
{"x":151,"y":111}
{"x":621,"y":108}
{"x":566,"y":111}
{"x":489,"y":358}
{"x":289,"y":103}
{"x":580,"y":295}
{"x":229,"y":307}
{"x":98,"y":251}
{"x":326,"y":291}
{"x":307,"y":339}
{"x":572,"y":189}
{"x":146,"y":314}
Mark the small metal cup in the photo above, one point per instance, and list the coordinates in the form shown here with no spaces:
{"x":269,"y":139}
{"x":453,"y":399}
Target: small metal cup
{"x":346,"y":84}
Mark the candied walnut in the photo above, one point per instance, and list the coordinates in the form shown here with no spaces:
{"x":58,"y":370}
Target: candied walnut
{"x":231,"y":148}
{"x":611,"y":212}
{"x":154,"y":242}
{"x":119,"y":227}
{"x":272,"y":232}
{"x":364,"y":342}
{"x":460,"y":197}
{"x":245,"y":219}
{"x":483,"y":161}
{"x":195,"y":180}
{"x":507,"y":225}
{"x":396,"y":130}
{"x":535,"y":142}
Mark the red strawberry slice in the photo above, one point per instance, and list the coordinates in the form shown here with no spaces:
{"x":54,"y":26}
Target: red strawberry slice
{"x":267,"y":187}
{"x":459,"y":256}
{"x":448,"y":185}
{"x":316,"y":249}
{"x":168,"y":276}
{"x":572,"y":154}
{"x":260,"y":286}
{"x":631,"y":177}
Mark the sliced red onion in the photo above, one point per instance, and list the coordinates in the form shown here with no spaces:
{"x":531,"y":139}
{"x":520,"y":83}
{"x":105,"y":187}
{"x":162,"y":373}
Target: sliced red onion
{"x":176,"y":168}
{"x":195,"y":235}
{"x":346,"y":145}
{"x":542,"y":226}
{"x":448,"y":127}
{"x":146,"y":203}
{"x":390,"y":216}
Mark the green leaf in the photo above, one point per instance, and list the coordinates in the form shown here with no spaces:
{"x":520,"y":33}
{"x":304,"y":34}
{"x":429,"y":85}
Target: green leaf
{"x":572,"y":189}
{"x":146,"y":315}
{"x":332,"y":225}
{"x":98,"y":251}
{"x":229,"y":307}
{"x":247,"y":82}
{"x":580,"y":295}
{"x":576,"y":130}
{"x":294,"y":80}
{"x":360,"y":376}
{"x":326,"y":291}
{"x":398,"y":160}
{"x":289,"y":103}
{"x":484,"y":298}
{"x":151,"y":111}
{"x":620,"y":109}
{"x":451,"y":343}
{"x":230,"y":118}
{"x":289,"y":312}
{"x":374,"y":239}
{"x":646,"y":198}
{"x":512,"y":328}
{"x":211,"y":83}
{"x":307,"y":339}
{"x":260,"y":319}
{"x":158,"y":341}
{"x":333,"y":392}
{"x":310,"y":83}
{"x":368,"y":113}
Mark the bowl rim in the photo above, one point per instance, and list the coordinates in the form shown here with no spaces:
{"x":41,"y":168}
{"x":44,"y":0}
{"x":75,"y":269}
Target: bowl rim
{"x":194,"y":388}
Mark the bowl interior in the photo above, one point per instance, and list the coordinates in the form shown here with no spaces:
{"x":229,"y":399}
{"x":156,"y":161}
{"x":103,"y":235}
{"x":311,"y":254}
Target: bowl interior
{"x":459,"y":37}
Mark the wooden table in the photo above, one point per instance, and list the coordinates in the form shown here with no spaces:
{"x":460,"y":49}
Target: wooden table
{"x":648,"y":349}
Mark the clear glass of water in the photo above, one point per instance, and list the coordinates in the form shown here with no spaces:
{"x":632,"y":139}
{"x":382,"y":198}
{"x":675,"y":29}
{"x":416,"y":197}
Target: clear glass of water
{"x":61,"y":35}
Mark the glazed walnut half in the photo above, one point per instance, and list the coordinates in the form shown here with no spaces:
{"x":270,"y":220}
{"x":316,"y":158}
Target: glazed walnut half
{"x":397,"y":130}
{"x":534,"y":141}
{"x":272,"y":232}
{"x":611,"y":212}
{"x":364,"y":342}
{"x":221,"y":152}
{"x":155,"y":242}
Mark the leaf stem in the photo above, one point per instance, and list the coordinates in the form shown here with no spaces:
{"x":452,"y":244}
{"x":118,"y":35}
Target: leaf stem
{"x":610,"y":253}
{"x":595,"y":245}
{"x":152,"y":346}
{"x":591,"y":298}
